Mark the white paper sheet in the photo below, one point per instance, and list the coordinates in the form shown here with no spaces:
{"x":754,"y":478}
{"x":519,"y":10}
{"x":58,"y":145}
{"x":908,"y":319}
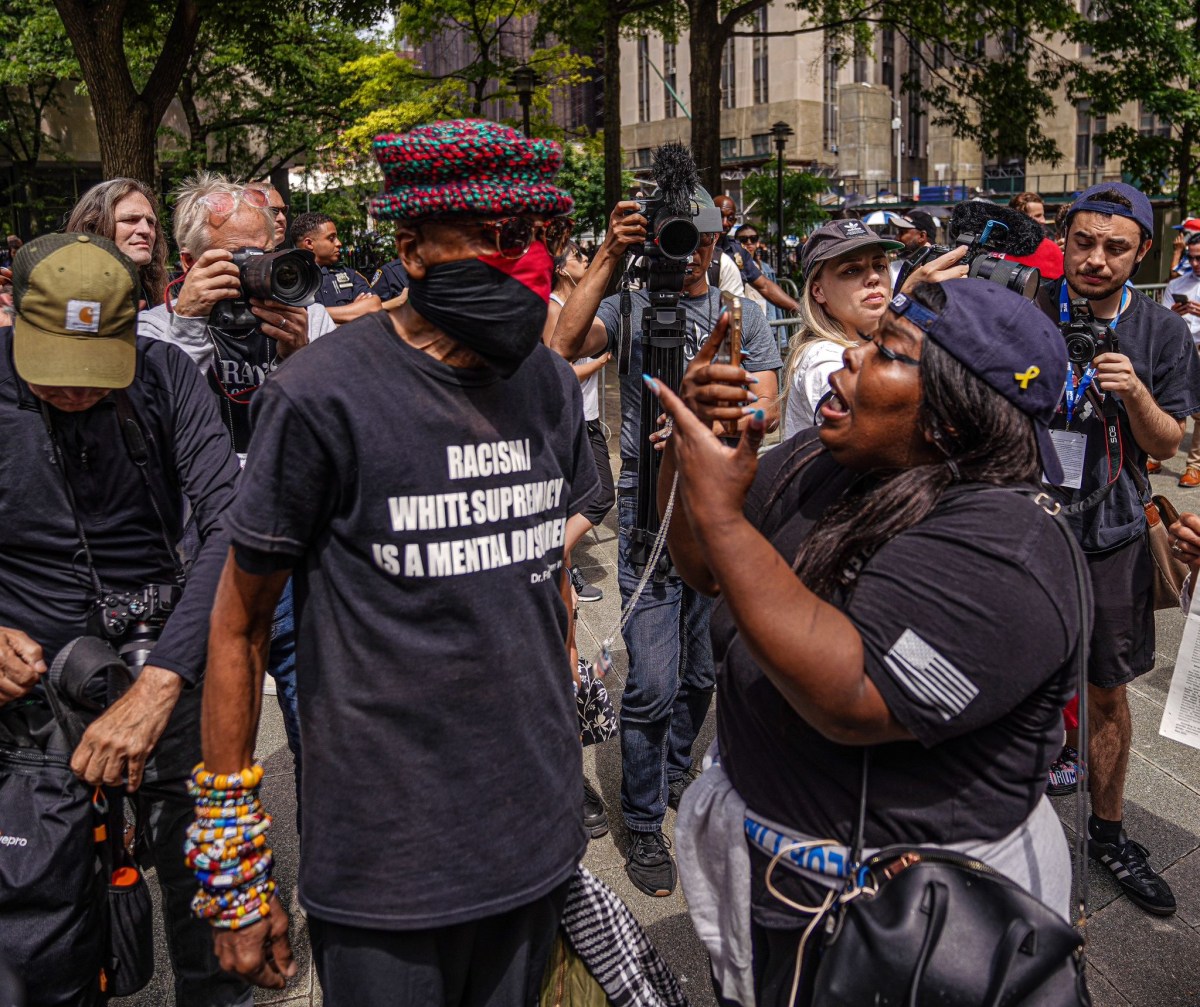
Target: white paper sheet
{"x":1181,"y":717}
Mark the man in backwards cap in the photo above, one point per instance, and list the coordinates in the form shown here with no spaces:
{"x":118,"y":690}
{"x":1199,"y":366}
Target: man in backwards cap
{"x":1128,"y":402}
{"x":423,"y":502}
{"x":79,"y":517}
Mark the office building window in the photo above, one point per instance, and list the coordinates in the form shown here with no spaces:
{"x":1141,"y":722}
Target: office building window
{"x":887,"y":58}
{"x":1150,"y":124}
{"x":670,"y":80}
{"x":862,"y":65}
{"x":829,"y":96}
{"x":1089,"y":158}
{"x":643,"y":78}
{"x":729,"y":147}
{"x":760,"y":59}
{"x":728,"y":76}
{"x":761,"y":143}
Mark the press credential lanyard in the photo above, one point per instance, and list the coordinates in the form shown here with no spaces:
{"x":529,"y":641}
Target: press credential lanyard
{"x":1074,"y":394}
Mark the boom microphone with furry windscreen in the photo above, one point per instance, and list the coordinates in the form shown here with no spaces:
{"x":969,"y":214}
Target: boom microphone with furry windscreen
{"x":675,"y":222}
{"x":990,"y":232}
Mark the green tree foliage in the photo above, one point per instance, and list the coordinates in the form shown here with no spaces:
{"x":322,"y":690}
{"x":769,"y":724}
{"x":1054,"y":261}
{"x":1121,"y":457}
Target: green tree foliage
{"x":1158,"y":66}
{"x":256,"y":94}
{"x":801,"y":210}
{"x":582,"y":176}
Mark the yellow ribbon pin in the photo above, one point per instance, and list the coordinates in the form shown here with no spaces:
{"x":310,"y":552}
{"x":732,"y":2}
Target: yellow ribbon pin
{"x":1027,"y":377}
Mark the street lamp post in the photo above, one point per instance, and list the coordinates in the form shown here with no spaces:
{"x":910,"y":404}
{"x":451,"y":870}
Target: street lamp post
{"x":780,"y":131}
{"x":524,"y":80}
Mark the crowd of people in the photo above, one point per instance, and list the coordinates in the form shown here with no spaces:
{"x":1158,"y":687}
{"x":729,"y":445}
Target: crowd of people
{"x":366,"y":504}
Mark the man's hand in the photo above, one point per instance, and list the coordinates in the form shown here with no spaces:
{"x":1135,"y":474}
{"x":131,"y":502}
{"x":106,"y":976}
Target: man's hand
{"x":626,"y":227}
{"x":259,"y":953}
{"x":213,"y":278}
{"x":120,"y":740}
{"x":945,"y":267}
{"x":21,"y":664}
{"x":1186,"y":308}
{"x":1114,"y":373}
{"x":285,"y":323}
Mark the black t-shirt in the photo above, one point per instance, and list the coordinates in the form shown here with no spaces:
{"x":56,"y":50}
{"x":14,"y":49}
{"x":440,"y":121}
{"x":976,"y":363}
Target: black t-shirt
{"x":239,"y":367}
{"x":968,"y":622}
{"x":423,"y":508}
{"x":1159,"y":345}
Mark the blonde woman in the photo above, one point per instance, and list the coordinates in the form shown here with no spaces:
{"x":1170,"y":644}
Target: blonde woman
{"x":846,"y":290}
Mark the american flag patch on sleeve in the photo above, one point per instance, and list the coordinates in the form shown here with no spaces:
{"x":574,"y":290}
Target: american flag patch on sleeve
{"x":929,"y":677}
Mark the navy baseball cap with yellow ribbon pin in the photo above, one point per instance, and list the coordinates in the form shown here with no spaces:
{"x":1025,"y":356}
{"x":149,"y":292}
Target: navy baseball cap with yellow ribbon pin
{"x":76,"y":299}
{"x":1008,"y":343}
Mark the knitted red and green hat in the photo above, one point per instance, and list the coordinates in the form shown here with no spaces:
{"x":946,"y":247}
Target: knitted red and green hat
{"x":469,"y":167}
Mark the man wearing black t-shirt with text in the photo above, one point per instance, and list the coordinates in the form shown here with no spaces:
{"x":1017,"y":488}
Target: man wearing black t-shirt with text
{"x":425,"y":501}
{"x":1135,"y":394}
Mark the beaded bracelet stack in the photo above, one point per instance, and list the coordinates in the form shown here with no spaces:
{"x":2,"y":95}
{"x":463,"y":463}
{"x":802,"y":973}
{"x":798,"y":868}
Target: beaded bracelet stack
{"x":227,"y":848}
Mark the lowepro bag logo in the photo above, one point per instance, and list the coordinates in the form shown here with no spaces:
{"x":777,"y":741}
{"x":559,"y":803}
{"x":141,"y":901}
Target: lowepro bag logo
{"x":13,"y":840}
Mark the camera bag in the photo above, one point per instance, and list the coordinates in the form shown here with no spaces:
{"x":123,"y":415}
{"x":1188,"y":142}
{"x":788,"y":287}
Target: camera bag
{"x":933,"y":926}
{"x":61,"y":914}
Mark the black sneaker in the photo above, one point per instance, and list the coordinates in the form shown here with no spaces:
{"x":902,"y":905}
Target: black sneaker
{"x":583,"y":590}
{"x":1130,"y":867}
{"x":649,"y":864}
{"x":1063,"y":777}
{"x":595,"y":818}
{"x":676,"y":787}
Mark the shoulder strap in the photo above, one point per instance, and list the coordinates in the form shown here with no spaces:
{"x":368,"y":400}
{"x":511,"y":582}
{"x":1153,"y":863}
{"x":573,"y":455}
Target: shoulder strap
{"x":714,"y":269}
{"x":139,"y":454}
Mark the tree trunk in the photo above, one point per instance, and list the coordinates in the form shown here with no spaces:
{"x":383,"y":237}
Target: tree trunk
{"x":197,"y":134}
{"x":706,"y":39}
{"x":612,"y":107}
{"x":126,"y":120}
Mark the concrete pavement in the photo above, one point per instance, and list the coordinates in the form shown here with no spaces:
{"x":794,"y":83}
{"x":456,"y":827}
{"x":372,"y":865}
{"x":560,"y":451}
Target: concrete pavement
{"x":1135,"y":959}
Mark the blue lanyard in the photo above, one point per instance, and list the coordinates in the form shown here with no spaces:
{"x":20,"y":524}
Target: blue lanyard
{"x":1074,"y":395}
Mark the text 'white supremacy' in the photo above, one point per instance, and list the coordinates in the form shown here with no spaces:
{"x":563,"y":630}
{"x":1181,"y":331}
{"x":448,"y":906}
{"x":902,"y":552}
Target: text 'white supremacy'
{"x":460,"y":509}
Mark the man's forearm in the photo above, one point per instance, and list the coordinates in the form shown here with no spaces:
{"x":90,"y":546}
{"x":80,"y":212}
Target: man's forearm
{"x":237,"y":655}
{"x":774,"y":293}
{"x":575,"y":319}
{"x":1156,"y":432}
{"x":342,"y":313}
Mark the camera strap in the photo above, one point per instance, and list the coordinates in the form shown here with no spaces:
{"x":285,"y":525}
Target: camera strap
{"x":139,"y":454}
{"x":625,"y":345}
{"x":60,"y":462}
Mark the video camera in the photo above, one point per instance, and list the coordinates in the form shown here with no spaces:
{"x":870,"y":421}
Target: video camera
{"x":989,"y":232}
{"x":290,"y":276}
{"x":1085,"y":337}
{"x":133,"y":620}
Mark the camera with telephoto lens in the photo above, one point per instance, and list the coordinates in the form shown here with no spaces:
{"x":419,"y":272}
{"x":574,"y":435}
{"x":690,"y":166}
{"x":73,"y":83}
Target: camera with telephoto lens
{"x":1085,"y":337}
{"x":290,"y":276}
{"x":132,"y":621}
{"x":676,"y":235}
{"x":983,"y":260}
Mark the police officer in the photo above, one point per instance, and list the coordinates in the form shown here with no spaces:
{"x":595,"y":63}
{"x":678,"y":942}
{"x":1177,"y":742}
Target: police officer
{"x":344,"y":292}
{"x":390,"y":280}
{"x":752,"y":276}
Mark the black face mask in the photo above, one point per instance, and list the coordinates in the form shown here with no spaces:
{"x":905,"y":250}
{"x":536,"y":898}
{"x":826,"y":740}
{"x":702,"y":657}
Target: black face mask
{"x":492,"y":305}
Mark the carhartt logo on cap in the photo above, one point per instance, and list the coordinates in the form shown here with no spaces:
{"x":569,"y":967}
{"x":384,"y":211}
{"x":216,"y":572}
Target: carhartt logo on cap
{"x":83,"y":316}
{"x":852,"y":229}
{"x":1024,"y":379}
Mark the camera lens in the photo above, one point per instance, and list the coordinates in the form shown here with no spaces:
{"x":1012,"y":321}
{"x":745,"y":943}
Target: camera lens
{"x":1081,"y":347}
{"x":677,"y":237}
{"x":1011,"y":275}
{"x":286,"y":278}
{"x":295,"y":277}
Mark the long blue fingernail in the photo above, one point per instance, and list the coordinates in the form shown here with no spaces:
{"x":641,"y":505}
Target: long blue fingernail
{"x":750,"y":410}
{"x":650,"y":383}
{"x":753,"y":397}
{"x":751,"y":379}
{"x":758,"y":416}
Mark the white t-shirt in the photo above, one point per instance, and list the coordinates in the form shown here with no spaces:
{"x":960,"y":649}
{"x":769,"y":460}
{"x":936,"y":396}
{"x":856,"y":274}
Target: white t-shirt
{"x":590,"y":386}
{"x":1189,"y":286}
{"x":810,"y":383}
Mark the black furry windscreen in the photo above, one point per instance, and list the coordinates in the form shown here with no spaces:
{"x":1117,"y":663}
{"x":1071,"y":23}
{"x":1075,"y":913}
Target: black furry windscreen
{"x":674,"y":169}
{"x":1024,"y":233}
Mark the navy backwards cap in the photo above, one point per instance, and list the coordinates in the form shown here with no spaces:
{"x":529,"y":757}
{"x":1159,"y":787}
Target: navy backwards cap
{"x":1142,"y":211}
{"x":1007,"y":342}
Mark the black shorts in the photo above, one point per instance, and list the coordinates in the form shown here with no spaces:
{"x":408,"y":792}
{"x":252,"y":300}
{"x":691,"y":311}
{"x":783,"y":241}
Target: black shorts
{"x":1123,"y":633}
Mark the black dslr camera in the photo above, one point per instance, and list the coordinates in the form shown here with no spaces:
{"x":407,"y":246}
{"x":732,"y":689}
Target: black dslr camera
{"x":133,"y":621}
{"x":1085,"y":337}
{"x":983,"y":260}
{"x":290,"y":276}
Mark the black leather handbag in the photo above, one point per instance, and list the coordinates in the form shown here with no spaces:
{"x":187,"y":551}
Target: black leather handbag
{"x":933,"y":927}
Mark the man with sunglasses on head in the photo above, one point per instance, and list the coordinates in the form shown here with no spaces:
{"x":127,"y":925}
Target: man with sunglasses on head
{"x":423,"y":474}
{"x":344,"y":292}
{"x":671,"y":675}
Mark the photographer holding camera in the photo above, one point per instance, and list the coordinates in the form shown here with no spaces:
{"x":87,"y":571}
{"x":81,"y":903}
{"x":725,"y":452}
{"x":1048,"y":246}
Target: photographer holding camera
{"x":105,"y":436}
{"x":1134,"y":378}
{"x":671,"y":679}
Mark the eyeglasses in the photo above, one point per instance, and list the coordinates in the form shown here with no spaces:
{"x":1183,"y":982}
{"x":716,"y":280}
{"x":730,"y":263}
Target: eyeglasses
{"x":285,"y":209}
{"x":223,"y":203}
{"x":891,"y":355}
{"x":514,"y":235}
{"x":748,"y":239}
